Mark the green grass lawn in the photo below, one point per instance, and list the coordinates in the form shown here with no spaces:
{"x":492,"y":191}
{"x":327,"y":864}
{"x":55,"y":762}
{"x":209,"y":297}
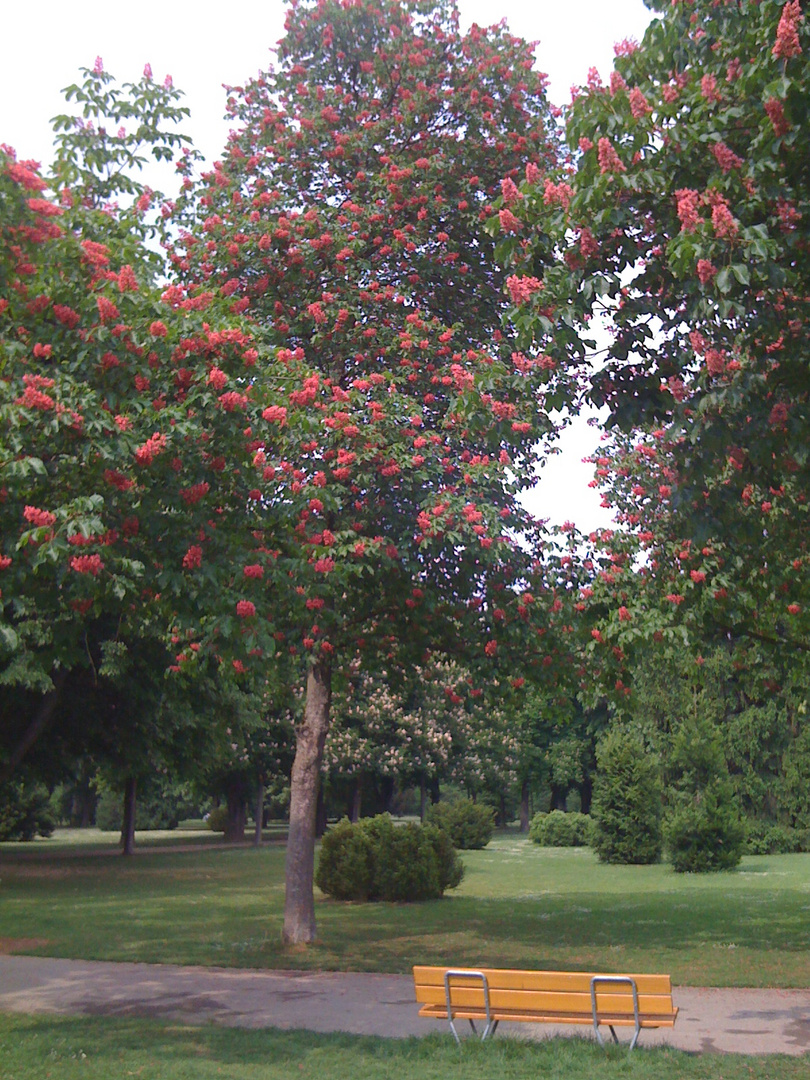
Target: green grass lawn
{"x":37,"y":1048}
{"x":519,"y":905}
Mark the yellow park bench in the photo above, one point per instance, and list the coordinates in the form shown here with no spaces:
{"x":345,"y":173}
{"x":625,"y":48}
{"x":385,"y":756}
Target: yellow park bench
{"x":490,"y":995}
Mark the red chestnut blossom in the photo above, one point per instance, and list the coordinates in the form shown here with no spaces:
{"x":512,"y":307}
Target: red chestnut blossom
{"x":705,"y":271}
{"x":708,"y":88}
{"x":726,"y":158}
{"x":87,"y":564}
{"x":106,"y":309}
{"x":153,"y":446}
{"x":193,"y":557}
{"x":510,"y":192}
{"x":509,"y":223}
{"x":522,"y":288}
{"x":216,"y":378}
{"x":776,"y":114}
{"x":40,"y":518}
{"x":723,"y":221}
{"x":787,"y":32}
{"x":688,"y":203}
{"x":66,"y":315}
{"x":609,"y":160}
{"x":639,"y":106}
{"x":557,"y":194}
{"x":276,"y":414}
{"x":245,"y":609}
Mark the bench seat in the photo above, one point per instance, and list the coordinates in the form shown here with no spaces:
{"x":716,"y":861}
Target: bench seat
{"x":490,"y":995}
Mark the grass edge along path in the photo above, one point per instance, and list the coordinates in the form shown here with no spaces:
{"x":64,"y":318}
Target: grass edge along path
{"x":519,"y":906}
{"x":96,"y":1048}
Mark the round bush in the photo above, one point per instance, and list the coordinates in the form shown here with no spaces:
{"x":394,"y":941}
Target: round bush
{"x":559,"y":829}
{"x":345,"y":865}
{"x":626,"y":806}
{"x":217,"y":820}
{"x":469,"y":825}
{"x":376,"y":860}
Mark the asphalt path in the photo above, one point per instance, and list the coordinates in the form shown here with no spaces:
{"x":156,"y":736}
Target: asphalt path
{"x":710,"y":1020}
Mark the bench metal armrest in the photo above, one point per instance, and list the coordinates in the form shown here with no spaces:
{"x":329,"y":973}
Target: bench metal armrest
{"x":461,"y":973}
{"x":624,"y":980}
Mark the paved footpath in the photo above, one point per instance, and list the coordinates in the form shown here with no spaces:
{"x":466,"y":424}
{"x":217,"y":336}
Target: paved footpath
{"x":742,"y":1021}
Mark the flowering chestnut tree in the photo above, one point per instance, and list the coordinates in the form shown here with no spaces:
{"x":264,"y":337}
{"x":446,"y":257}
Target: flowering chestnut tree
{"x":682,"y":221}
{"x":344,"y":220}
{"x":122,"y":448}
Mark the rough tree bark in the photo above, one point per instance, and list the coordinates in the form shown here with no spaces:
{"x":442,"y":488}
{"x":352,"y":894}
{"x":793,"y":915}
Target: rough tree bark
{"x":299,"y":902}
{"x":259,"y":813}
{"x":39,"y":722}
{"x":237,"y":810}
{"x":524,"y":806}
{"x":128,"y":824}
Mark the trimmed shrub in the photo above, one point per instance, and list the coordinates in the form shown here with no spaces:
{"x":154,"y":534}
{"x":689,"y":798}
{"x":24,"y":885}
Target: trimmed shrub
{"x":217,"y":819}
{"x":25,"y":811}
{"x":705,"y":834}
{"x":703,"y":831}
{"x":451,"y":868}
{"x":377,"y":860}
{"x":469,"y":825}
{"x":626,"y":806}
{"x":560,"y":829}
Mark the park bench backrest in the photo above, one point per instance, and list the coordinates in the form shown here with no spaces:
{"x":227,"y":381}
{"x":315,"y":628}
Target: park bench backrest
{"x":545,"y":992}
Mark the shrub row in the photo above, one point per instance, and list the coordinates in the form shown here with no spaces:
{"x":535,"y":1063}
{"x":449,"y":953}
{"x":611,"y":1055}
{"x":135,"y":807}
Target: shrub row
{"x":559,"y":829}
{"x":377,"y":860}
{"x":469,"y":825}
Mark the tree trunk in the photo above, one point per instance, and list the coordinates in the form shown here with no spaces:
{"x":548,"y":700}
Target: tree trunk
{"x":357,"y":801}
{"x":320,"y":814}
{"x":128,"y":824}
{"x":237,"y":811}
{"x":558,"y":797}
{"x":387,"y":789}
{"x":299,"y":901}
{"x":422,"y":799}
{"x":524,"y":806}
{"x":40,"y":720}
{"x":257,"y":834}
{"x":586,"y":795}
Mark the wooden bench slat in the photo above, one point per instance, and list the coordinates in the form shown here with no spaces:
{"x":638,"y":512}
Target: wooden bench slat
{"x":506,"y":978}
{"x":439,"y":1012}
{"x":606,"y":1001}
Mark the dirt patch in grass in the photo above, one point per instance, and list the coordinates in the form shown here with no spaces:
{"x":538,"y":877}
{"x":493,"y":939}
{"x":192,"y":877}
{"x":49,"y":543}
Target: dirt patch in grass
{"x":10,"y":945}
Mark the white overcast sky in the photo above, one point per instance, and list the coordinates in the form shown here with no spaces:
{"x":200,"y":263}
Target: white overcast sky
{"x":203,"y":46}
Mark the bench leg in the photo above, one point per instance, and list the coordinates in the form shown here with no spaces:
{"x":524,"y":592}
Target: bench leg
{"x":489,"y":1029}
